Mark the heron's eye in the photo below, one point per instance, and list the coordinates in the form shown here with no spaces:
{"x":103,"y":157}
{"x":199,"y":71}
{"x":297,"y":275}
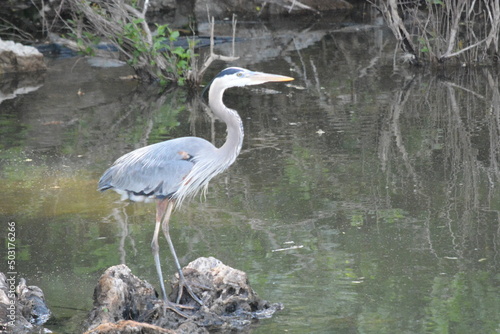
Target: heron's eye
{"x":239,"y":74}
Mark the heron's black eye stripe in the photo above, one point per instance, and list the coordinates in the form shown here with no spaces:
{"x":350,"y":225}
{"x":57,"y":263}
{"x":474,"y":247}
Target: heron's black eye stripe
{"x":228,"y":71}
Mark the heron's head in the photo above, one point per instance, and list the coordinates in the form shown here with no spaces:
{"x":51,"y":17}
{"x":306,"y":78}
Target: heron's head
{"x":238,"y":77}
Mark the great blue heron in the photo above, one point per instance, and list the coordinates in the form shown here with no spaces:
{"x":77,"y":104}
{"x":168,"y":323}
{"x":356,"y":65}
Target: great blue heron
{"x":176,"y":169}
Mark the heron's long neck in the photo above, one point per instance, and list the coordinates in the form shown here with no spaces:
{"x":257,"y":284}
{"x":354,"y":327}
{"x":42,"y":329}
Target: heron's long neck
{"x":234,"y":140}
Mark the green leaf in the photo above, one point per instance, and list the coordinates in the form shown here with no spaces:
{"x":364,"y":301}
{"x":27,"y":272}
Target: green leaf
{"x":182,"y":64}
{"x":161,"y":30}
{"x":174,"y":35}
{"x":179,"y":51}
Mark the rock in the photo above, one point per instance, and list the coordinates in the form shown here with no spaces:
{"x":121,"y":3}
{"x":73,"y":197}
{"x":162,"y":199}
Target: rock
{"x":120,"y":295}
{"x":15,"y":57}
{"x":128,"y":327}
{"x":328,"y":5}
{"x":225,"y":291}
{"x":125,"y":304}
{"x":31,"y":303}
{"x":164,"y":5}
{"x":22,"y":308}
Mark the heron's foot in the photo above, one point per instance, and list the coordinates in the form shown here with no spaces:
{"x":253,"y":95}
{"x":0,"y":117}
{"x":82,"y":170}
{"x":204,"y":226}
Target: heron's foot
{"x":176,"y":308}
{"x":183,"y":284}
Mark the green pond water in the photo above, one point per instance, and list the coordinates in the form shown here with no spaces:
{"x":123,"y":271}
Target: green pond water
{"x":366,"y":198}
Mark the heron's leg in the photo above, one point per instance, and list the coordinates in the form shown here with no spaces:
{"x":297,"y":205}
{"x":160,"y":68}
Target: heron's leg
{"x":182,"y":279}
{"x":160,"y":212}
{"x":161,"y":207}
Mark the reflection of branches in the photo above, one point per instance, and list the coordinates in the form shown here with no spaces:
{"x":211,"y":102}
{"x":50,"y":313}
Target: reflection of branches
{"x":464,"y":175}
{"x":494,"y":154}
{"x":452,"y":109}
{"x":199,"y":111}
{"x":122,"y":220}
{"x":494,"y":130}
{"x":462,"y":156}
{"x":396,"y":110}
{"x":398,"y":107}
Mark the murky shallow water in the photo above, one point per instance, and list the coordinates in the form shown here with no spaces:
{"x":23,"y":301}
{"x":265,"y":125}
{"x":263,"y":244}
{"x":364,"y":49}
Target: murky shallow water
{"x":385,"y":183}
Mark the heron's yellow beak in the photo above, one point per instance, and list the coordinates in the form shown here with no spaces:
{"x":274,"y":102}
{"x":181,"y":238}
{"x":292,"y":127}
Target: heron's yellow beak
{"x":266,"y":77}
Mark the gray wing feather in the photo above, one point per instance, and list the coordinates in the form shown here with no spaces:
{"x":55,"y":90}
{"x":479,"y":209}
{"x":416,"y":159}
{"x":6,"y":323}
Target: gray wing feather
{"x":157,"y":169}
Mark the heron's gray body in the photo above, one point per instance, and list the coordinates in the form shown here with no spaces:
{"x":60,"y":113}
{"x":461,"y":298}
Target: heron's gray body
{"x":158,"y":170}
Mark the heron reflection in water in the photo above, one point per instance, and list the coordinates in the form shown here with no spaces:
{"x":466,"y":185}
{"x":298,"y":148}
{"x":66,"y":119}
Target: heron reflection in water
{"x":171,"y":171}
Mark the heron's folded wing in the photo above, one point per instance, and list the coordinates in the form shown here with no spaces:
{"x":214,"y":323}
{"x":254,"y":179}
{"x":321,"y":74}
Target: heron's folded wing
{"x":157,"y":169}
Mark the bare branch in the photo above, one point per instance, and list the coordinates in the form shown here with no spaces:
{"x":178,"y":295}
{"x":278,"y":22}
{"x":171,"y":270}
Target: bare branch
{"x":456,"y":10}
{"x":213,"y":56}
{"x":454,"y":54}
{"x":467,"y":30}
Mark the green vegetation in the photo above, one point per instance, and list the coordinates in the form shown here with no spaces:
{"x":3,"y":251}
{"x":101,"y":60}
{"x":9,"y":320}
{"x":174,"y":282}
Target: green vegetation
{"x":153,"y":54}
{"x":177,"y":58}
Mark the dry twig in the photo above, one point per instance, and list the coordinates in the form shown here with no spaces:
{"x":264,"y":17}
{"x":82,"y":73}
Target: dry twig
{"x":467,"y":31}
{"x":196,"y":77}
